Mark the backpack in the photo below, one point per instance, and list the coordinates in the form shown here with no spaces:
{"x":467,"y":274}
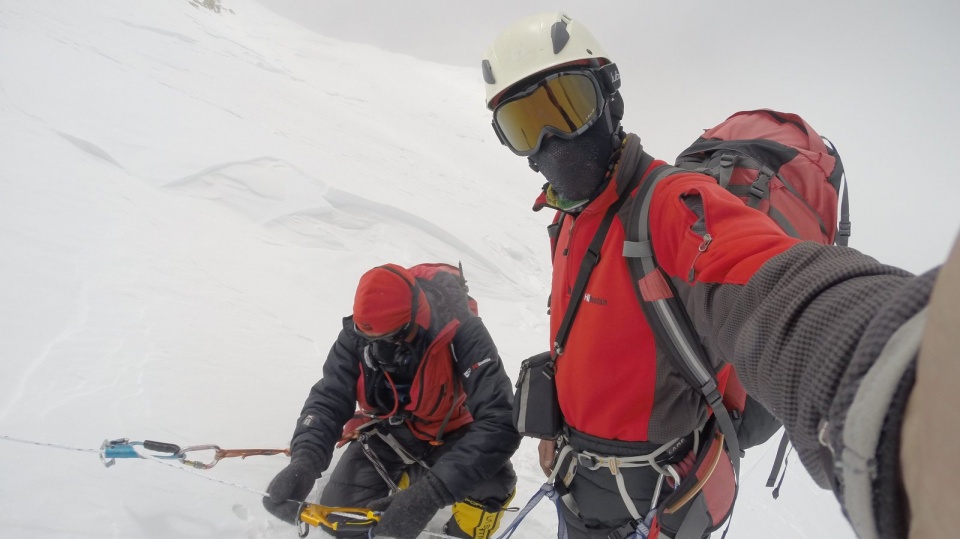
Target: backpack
{"x":450,"y":293}
{"x":775,"y":162}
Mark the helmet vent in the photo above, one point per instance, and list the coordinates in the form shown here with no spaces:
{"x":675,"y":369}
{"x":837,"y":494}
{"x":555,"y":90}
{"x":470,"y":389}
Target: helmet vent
{"x":487,"y":72}
{"x":559,"y":35}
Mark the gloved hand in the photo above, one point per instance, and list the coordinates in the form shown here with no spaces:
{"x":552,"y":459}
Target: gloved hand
{"x":406,"y":513}
{"x":292,"y":483}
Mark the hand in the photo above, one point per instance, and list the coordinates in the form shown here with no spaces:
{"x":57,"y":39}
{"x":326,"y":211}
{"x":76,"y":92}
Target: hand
{"x":548,"y":454}
{"x":407,"y":513}
{"x":292,"y":485}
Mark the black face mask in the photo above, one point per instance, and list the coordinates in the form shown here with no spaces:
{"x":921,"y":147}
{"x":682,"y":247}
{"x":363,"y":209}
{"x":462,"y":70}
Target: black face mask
{"x":393,"y":357}
{"x":576,"y":167}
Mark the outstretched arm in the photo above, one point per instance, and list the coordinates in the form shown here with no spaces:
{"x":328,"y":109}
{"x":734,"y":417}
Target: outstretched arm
{"x":825,"y":337}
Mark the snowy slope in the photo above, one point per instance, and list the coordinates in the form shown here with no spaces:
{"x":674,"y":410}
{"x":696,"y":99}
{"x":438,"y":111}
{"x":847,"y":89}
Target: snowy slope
{"x":186,"y":201}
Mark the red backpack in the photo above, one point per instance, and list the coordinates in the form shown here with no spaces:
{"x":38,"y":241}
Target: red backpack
{"x":775,"y":162}
{"x":450,"y":281}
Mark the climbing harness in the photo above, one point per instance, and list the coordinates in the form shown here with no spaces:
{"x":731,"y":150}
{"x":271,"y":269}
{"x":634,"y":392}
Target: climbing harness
{"x":362,"y":434}
{"x":594,"y":461}
{"x":122,"y":448}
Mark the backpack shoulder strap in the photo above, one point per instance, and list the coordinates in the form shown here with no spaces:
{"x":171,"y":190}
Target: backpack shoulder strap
{"x":666,"y":315}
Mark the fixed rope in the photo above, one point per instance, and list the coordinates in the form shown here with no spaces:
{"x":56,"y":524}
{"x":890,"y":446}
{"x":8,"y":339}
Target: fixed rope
{"x":175,"y":457}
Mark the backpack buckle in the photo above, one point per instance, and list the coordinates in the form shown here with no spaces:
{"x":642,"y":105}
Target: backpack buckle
{"x":625,"y":531}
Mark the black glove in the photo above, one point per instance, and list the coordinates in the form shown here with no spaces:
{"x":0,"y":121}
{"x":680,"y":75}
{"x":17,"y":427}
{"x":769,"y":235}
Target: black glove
{"x":406,"y":513}
{"x":292,"y":483}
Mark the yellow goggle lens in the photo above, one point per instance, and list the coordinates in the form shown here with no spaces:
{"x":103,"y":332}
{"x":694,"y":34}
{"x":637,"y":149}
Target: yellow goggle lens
{"x":565,"y":103}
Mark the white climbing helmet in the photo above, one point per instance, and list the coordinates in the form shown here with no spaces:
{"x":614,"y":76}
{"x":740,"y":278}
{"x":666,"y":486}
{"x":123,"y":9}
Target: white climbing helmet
{"x":535,"y":44}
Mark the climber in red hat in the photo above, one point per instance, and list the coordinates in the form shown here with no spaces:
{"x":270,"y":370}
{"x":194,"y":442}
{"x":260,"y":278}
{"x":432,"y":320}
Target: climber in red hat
{"x":434,"y":425}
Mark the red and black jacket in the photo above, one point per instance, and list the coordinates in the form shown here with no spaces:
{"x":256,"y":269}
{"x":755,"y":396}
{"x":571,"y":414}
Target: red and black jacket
{"x":461,"y":371}
{"x":612,"y":380}
{"x":437,"y":402}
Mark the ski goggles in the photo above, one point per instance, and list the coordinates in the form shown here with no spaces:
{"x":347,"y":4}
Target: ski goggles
{"x":394,"y":337}
{"x":563,"y":104}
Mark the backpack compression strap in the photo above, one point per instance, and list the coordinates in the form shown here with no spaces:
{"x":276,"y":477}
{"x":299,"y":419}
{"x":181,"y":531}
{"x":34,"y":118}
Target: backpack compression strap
{"x":843,"y":227}
{"x":667,"y":316}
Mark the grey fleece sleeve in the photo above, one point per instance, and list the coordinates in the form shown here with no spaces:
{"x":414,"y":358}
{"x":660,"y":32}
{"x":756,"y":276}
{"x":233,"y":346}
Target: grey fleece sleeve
{"x":803,"y":334}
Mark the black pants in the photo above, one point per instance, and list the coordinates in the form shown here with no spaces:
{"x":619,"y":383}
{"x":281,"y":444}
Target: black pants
{"x":355,"y":483}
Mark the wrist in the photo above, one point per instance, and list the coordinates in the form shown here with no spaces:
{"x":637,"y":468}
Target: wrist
{"x":308,"y":460}
{"x":441,"y":495}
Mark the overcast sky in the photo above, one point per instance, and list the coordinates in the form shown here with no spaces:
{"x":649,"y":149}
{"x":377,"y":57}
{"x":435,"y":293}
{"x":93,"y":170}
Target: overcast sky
{"x":879,"y":78}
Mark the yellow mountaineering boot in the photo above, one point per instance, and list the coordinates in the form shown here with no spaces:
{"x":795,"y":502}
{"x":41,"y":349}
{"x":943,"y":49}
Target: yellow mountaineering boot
{"x":476,"y":520}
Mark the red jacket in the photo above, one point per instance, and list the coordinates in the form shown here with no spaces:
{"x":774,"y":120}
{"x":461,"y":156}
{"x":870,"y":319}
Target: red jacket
{"x":437,"y":401}
{"x":610,"y":380}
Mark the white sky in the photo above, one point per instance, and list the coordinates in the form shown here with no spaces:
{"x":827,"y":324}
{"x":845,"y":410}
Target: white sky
{"x":187,"y":200}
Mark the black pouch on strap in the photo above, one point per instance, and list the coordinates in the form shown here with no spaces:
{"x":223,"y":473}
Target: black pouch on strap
{"x":536,"y":410}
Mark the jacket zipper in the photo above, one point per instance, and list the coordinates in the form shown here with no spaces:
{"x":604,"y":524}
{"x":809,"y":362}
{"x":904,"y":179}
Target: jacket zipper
{"x":707,"y":239}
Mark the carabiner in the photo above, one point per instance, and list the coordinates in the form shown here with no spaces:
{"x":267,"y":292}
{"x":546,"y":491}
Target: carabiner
{"x":200,"y":465}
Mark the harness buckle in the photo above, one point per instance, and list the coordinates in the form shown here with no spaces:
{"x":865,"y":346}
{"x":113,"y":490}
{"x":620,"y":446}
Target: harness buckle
{"x":395,"y":420}
{"x":588,"y":461}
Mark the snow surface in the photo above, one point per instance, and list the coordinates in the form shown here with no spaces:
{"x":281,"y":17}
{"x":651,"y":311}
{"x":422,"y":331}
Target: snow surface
{"x":187,"y":199}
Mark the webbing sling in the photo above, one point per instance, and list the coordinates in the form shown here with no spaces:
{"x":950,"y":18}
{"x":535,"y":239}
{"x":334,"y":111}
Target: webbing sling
{"x":592,"y":256}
